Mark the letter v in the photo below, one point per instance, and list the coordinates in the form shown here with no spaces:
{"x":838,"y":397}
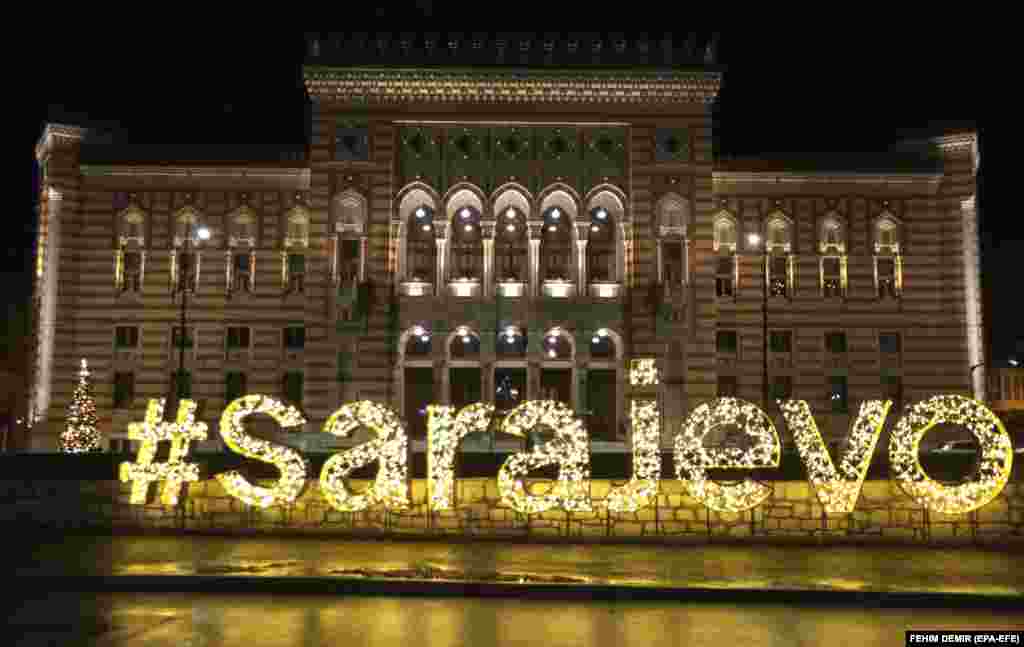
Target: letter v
{"x":838,"y":490}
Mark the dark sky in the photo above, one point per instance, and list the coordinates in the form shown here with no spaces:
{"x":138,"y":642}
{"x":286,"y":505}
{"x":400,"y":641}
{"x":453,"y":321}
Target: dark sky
{"x":813,"y":92}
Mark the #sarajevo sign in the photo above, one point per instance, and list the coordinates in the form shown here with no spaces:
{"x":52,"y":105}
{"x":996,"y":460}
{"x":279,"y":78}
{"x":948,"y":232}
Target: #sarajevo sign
{"x":836,"y":486}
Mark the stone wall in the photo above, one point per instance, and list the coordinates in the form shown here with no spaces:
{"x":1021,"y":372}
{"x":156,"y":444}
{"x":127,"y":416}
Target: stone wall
{"x":883,"y":513}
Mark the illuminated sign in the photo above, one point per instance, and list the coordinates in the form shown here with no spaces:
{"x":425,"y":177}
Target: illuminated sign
{"x":836,"y":488}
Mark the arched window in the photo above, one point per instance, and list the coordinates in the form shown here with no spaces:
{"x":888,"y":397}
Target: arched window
{"x":348,"y":213}
{"x":602,"y":345}
{"x":725,"y":264}
{"x":888,"y":261}
{"x":417,"y":343}
{"x":466,"y":244}
{"x":185,"y":268}
{"x":511,"y":212}
{"x":832,"y":244}
{"x":602,"y":240}
{"x":557,"y":345}
{"x":417,"y":378}
{"x":133,"y":228}
{"x":780,"y":260}
{"x":558,"y":213}
{"x":602,"y":400}
{"x":832,"y":235}
{"x":464,"y":344}
{"x":673,"y":216}
{"x":511,"y":343}
{"x":242,"y":226}
{"x":297,"y":228}
{"x":419,"y":256}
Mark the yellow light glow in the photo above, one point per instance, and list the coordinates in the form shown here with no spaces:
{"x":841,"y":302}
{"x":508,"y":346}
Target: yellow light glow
{"x":993,"y":469}
{"x":642,"y":489}
{"x":390,"y":447}
{"x":643,"y":372}
{"x":693,"y":460}
{"x":839,"y":490}
{"x":174,"y":472}
{"x":444,"y":433}
{"x":570,"y":450}
{"x":291,"y":463}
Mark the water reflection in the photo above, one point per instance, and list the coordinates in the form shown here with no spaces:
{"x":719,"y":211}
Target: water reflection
{"x":160,"y":620}
{"x":881,"y":568}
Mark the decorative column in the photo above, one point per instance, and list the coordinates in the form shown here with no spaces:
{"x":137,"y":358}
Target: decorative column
{"x":442,"y":257}
{"x":398,"y":249}
{"x":972,"y":298}
{"x":335,"y":252}
{"x":686,"y":262}
{"x":487,"y":232}
{"x":581,"y":259}
{"x":364,"y":244}
{"x":658,"y":258}
{"x":534,"y":227}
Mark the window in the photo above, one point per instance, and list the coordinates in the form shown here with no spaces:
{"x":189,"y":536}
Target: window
{"x":181,"y":383}
{"x":837,"y":393}
{"x":177,"y":341}
{"x":887,"y":273}
{"x":725,"y":234}
{"x":187,"y":271}
{"x":892,"y":389}
{"x":296,"y":267}
{"x":832,"y":283}
{"x":238,"y":337}
{"x":725,"y":276}
{"x":782,"y":387}
{"x":234,"y":386}
{"x":832,"y":237}
{"x":242,"y":268}
{"x":835,"y":342}
{"x":889,"y":342}
{"x":126,"y":337}
{"x":781,"y":341}
{"x":294,"y":337}
{"x":887,"y":235}
{"x":727,"y":386}
{"x":298,"y":229}
{"x":124,"y":390}
{"x":726,"y":341}
{"x":778,"y":276}
{"x":293,"y":387}
{"x":132,"y":280}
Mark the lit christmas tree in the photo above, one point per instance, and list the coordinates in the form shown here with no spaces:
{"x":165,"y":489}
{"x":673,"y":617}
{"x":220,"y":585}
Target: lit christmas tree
{"x":80,"y":434}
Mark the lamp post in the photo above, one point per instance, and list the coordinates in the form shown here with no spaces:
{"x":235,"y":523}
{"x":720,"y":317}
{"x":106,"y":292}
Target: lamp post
{"x":202,"y":233}
{"x":755,"y":241}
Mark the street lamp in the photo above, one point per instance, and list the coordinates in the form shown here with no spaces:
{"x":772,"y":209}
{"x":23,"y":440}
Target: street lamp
{"x":184,"y":280}
{"x":755,"y":241}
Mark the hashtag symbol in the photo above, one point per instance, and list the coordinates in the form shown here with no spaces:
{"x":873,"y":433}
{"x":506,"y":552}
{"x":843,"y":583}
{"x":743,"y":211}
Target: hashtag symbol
{"x":175,"y":471}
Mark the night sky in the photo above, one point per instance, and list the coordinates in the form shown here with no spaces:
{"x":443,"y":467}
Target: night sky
{"x":815,"y":92}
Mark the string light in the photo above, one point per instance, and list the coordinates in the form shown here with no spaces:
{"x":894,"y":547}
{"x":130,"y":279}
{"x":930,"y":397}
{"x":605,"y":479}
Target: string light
{"x":174,"y":472}
{"x":693,"y":459}
{"x":292,"y":465}
{"x":80,"y":433}
{"x":993,"y":469}
{"x":390,"y":448}
{"x":570,"y":450}
{"x":643,"y":372}
{"x":837,"y":491}
{"x":444,"y":433}
{"x":642,"y":489}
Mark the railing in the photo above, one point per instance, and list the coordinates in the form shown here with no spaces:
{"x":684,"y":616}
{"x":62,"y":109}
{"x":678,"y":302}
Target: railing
{"x":513,"y":289}
{"x":605,"y":289}
{"x":415,"y":289}
{"x":464,"y":287}
{"x":558,"y":288}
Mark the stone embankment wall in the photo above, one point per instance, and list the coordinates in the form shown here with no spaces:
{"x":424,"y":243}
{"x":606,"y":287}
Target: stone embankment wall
{"x":884,"y":513}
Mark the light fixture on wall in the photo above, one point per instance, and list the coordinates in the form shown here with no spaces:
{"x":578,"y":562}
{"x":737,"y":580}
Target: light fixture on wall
{"x":421,"y":213}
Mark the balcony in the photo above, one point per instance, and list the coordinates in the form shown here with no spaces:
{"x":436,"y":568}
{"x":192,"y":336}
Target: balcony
{"x":415,"y":289}
{"x":558,"y":288}
{"x":464,"y":287}
{"x":605,"y":289}
{"x":511,"y":289}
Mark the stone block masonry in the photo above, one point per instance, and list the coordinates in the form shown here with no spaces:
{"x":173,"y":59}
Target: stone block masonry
{"x":791,"y":513}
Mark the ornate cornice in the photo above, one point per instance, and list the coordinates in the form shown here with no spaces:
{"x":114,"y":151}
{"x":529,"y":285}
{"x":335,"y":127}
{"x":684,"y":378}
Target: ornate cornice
{"x":57,"y":130}
{"x":515,"y":86}
{"x":742,"y":177}
{"x":297,"y":178}
{"x":960,"y":142}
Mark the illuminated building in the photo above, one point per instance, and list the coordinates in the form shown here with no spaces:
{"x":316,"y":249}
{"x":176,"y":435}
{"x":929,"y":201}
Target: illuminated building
{"x":496,"y":221}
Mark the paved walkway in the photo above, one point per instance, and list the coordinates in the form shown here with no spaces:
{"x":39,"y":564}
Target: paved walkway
{"x":210,"y":563}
